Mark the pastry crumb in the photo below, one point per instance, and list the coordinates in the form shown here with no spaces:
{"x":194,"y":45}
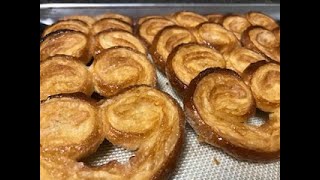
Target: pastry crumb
{"x":215,"y":161}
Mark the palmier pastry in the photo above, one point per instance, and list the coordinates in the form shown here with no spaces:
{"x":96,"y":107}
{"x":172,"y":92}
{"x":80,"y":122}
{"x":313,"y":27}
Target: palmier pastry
{"x":143,"y":19}
{"x":240,"y":58}
{"x":218,"y":104}
{"x":260,"y":19}
{"x":236,"y":24}
{"x":276,"y":32}
{"x":112,"y":38}
{"x":187,"y":19}
{"x":115,"y":16}
{"x":117,"y":68}
{"x":264,"y":79}
{"x":110,"y":23}
{"x":186,"y":61}
{"x":150,"y":27}
{"x":76,"y":25}
{"x":69,"y":126}
{"x":64,"y":74}
{"x":66,"y":42}
{"x":216,"y":36}
{"x":167,"y":39}
{"x":87,"y":19}
{"x":263,"y":41}
{"x":142,"y":119}
{"x":215,"y":18}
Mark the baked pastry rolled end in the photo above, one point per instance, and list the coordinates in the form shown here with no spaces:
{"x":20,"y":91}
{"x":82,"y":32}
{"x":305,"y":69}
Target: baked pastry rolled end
{"x":69,"y":126}
{"x":144,"y":18}
{"x":262,"y":41}
{"x":110,"y":23}
{"x":218,"y":104}
{"x":187,"y":19}
{"x":115,"y":37}
{"x":186,"y":61}
{"x":263,"y":20}
{"x":72,"y":24}
{"x":215,"y":18}
{"x":66,"y":42}
{"x":87,"y":19}
{"x":64,"y":74}
{"x":165,"y":41}
{"x":117,"y":68}
{"x":121,"y":17}
{"x":236,"y":24}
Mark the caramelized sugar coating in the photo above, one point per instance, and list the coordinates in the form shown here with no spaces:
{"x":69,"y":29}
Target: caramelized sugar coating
{"x":112,"y":38}
{"x":166,"y":40}
{"x":262,"y":41}
{"x":150,"y":27}
{"x":186,"y":61}
{"x":236,"y":24}
{"x":218,"y":104}
{"x":263,"y":20}
{"x":64,"y":74}
{"x":187,"y":19}
{"x":216,"y":36}
{"x":144,"y":18}
{"x":72,"y":24}
{"x":110,"y":23}
{"x":215,"y":18}
{"x":240,"y":58}
{"x":142,"y":119}
{"x":87,"y":19}
{"x":117,"y":68}
{"x":66,"y":42}
{"x":264,"y":79}
{"x":69,"y":126}
{"x":115,"y":16}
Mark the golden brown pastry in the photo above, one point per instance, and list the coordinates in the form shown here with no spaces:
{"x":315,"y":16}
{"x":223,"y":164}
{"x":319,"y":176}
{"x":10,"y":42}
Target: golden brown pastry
{"x":115,"y":16}
{"x":64,"y":74}
{"x":240,"y":58}
{"x":166,"y":40}
{"x":66,"y":42}
{"x":264,"y":79}
{"x":187,"y":19}
{"x":218,"y":104}
{"x":73,"y":24}
{"x":87,"y":19}
{"x":150,"y":27}
{"x":69,"y":126}
{"x":215,"y":18}
{"x":216,"y":36}
{"x":276,"y":32}
{"x":263,"y":20}
{"x":117,"y":68}
{"x":112,"y":38}
{"x":144,"y":18}
{"x":262,"y":41}
{"x":142,"y":119}
{"x":110,"y":23}
{"x":236,"y":24}
{"x":186,"y":61}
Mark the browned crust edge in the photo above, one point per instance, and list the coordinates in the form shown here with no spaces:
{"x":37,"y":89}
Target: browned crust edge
{"x":66,"y":20}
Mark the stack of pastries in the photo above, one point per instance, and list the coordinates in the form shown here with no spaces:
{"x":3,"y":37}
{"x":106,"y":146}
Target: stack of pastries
{"x":97,"y":82}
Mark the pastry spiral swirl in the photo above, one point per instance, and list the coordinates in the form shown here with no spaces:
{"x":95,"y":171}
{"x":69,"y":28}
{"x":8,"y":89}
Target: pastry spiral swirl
{"x":166,"y":40}
{"x":87,"y":19}
{"x":218,"y":104}
{"x":216,"y":36}
{"x":66,"y":42}
{"x":117,"y":68}
{"x":186,"y":61}
{"x":260,"y":19}
{"x":264,"y":79}
{"x":236,"y":24}
{"x":76,"y":25}
{"x":112,"y":38}
{"x":115,"y":16}
{"x":262,"y":41}
{"x":150,"y":27}
{"x":142,"y":119}
{"x":64,"y":74}
{"x":187,"y":19}
{"x":69,"y":126}
{"x":144,"y":18}
{"x":110,"y":23}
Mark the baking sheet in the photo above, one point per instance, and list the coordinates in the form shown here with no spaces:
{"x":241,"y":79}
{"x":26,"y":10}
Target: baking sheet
{"x":198,"y":160}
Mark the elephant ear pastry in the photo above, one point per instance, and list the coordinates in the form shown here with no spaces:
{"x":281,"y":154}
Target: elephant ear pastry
{"x":75,"y":25}
{"x":187,"y":19}
{"x":263,"y":20}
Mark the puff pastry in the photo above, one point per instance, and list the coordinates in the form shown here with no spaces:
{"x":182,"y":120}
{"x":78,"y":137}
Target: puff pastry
{"x":218,"y":104}
{"x":110,"y":23}
{"x":236,"y":24}
{"x":117,"y":68}
{"x":186,"y":61}
{"x":263,"y":20}
{"x":76,"y":25}
{"x":166,"y":40}
{"x":262,"y":41}
{"x":215,"y":18}
{"x":187,"y":19}
{"x":66,"y":42}
{"x":112,"y":38}
{"x":87,"y":19}
{"x":121,"y":17}
{"x":144,"y":18}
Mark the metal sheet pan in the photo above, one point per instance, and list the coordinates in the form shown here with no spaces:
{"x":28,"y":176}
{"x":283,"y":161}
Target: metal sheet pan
{"x":198,"y":161}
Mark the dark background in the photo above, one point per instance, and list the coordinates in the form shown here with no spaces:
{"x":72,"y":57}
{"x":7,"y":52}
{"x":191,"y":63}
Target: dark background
{"x":159,"y":1}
